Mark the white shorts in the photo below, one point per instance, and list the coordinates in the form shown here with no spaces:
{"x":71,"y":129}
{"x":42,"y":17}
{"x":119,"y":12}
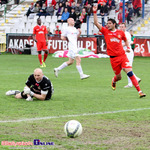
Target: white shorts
{"x":72,"y":54}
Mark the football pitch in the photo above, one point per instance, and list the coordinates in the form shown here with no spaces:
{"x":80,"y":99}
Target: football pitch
{"x":111,"y":120}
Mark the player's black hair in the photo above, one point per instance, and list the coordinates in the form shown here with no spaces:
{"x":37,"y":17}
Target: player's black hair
{"x":114,"y":22}
{"x":38,"y":18}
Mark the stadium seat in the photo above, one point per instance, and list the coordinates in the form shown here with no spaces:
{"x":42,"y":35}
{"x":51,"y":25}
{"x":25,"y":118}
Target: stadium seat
{"x":54,"y":19}
{"x":48,"y":18}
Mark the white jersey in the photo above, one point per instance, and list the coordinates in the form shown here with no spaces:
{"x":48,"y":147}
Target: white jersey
{"x":72,"y":34}
{"x":128,"y":36}
{"x":130,"y":54}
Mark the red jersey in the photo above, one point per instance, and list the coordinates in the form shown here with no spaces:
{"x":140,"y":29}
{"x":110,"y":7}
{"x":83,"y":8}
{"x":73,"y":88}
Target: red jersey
{"x":113,"y":41}
{"x":40,"y":32}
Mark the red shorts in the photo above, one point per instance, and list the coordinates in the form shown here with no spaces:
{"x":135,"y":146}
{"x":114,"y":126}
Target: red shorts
{"x":41,"y":46}
{"x":120,"y":62}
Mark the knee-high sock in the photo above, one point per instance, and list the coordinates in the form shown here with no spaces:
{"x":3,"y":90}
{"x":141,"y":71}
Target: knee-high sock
{"x":45,"y":56}
{"x":134,"y":80}
{"x":79,"y":68}
{"x":115,"y":79}
{"x":40,"y":58}
{"x":62,"y":66}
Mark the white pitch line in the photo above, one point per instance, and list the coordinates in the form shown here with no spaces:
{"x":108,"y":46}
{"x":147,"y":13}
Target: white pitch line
{"x":78,"y":115}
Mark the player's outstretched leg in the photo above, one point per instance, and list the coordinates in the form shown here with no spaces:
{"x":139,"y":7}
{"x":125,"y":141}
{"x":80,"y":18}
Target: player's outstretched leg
{"x":56,"y":70}
{"x":135,"y":83}
{"x":12,"y":92}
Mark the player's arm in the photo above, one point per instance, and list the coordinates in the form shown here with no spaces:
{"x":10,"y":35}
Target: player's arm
{"x":34,"y":37}
{"x":39,"y":96}
{"x":46,"y":36}
{"x":98,"y":25}
{"x":127,"y":45}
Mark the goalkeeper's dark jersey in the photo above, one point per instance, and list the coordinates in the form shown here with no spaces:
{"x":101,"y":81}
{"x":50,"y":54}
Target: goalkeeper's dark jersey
{"x":40,"y":87}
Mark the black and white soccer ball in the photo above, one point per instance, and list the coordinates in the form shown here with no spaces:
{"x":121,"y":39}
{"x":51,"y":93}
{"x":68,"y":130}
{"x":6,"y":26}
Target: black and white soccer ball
{"x":73,"y":128}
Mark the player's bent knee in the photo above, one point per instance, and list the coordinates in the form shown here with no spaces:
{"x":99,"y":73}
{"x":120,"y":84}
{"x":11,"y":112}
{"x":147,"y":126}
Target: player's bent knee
{"x":130,"y":74}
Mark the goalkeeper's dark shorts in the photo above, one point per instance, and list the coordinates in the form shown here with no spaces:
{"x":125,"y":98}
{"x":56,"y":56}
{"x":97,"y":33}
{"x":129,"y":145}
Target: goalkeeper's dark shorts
{"x":24,"y":96}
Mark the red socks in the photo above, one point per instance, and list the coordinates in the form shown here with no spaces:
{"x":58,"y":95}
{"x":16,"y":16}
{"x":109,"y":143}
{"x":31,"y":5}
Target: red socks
{"x":40,"y":58}
{"x":45,"y":56}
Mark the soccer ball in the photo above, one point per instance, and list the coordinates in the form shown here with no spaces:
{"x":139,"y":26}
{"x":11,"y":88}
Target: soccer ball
{"x":73,"y":128}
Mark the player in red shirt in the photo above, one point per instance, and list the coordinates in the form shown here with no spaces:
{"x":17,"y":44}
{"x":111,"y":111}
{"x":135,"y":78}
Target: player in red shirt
{"x":118,"y":58}
{"x":41,"y":39}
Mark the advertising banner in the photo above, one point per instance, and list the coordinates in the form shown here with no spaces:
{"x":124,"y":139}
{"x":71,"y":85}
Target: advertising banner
{"x":142,"y":47}
{"x":54,"y":43}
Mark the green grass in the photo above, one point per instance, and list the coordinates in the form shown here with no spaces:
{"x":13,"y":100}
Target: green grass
{"x":115,"y":131}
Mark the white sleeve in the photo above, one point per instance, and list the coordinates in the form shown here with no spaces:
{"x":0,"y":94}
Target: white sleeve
{"x":44,"y":92}
{"x":128,"y":36}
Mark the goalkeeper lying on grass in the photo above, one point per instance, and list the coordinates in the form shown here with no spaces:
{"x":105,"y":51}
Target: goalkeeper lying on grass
{"x":37,"y":85}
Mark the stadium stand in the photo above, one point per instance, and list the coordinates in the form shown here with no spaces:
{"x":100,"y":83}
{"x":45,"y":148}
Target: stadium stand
{"x":16,"y":21}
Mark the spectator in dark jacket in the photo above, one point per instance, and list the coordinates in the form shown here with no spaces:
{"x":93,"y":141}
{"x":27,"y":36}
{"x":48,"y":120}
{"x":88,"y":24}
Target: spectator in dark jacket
{"x":43,"y":10}
{"x":72,"y":14}
{"x":78,"y":10}
{"x":67,"y":6}
{"x":89,"y":9}
{"x":130,"y":13}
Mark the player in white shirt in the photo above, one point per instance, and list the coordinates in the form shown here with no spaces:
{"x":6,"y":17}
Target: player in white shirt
{"x":71,"y":34}
{"x":130,"y":55}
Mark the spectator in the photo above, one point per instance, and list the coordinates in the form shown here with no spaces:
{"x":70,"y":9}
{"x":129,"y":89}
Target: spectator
{"x":43,"y":11}
{"x":73,"y":5}
{"x":70,"y":2}
{"x":30,"y":10}
{"x":83,"y":16}
{"x":89,"y":9}
{"x":88,"y":2}
{"x":53,"y":2}
{"x":103,"y":9}
{"x":67,"y":6}
{"x":39,"y":2}
{"x":130,"y":12}
{"x":133,"y":40}
{"x":111,"y":4}
{"x":57,"y":31}
{"x":49,"y":33}
{"x":64,"y":16}
{"x":120,"y":16}
{"x":78,"y":10}
{"x":72,"y":14}
{"x":36,"y":8}
{"x":50,"y":10}
{"x":100,"y":2}
{"x":60,"y":9}
{"x":137,"y":6}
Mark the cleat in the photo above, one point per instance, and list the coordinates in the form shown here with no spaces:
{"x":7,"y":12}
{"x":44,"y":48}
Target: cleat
{"x":139,"y":80}
{"x":141,"y":94}
{"x":113,"y":84}
{"x":12,"y":92}
{"x":44,"y":65}
{"x":41,"y":66}
{"x":56,"y":72}
{"x":128,"y":86}
{"x":84,"y":76}
{"x":29,"y":99}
